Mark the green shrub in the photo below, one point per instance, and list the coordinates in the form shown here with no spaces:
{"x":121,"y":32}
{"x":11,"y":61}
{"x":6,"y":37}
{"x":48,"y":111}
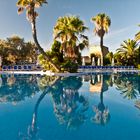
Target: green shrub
{"x":139,"y":66}
{"x":69,"y":66}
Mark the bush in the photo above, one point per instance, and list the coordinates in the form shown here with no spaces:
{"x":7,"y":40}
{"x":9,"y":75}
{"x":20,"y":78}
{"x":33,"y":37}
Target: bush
{"x":69,"y":66}
{"x":139,"y":66}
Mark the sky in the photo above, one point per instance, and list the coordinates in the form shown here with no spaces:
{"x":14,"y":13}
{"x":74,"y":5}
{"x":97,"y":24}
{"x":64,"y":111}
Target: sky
{"x":124,"y":14}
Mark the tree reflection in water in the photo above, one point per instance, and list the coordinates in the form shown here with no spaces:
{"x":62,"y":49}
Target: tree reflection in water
{"x":102,"y":114}
{"x":128,"y":85}
{"x":15,"y":88}
{"x":33,"y":129}
{"x":69,"y":105}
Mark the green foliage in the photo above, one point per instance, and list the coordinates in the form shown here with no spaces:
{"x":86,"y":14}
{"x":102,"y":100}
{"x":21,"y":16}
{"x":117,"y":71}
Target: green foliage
{"x":46,"y":64}
{"x":69,"y":31}
{"x":102,"y":23}
{"x":138,"y":66}
{"x":137,"y":36}
{"x":127,"y":54}
{"x":14,"y":50}
{"x":56,"y":51}
{"x":69,"y":66}
{"x":29,"y":6}
{"x":107,"y":61}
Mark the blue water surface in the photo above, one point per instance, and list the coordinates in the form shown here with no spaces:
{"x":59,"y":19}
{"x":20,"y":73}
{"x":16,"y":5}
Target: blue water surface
{"x":87,"y":107}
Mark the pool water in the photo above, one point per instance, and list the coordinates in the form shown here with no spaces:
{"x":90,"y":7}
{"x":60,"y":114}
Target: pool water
{"x":86,"y":107}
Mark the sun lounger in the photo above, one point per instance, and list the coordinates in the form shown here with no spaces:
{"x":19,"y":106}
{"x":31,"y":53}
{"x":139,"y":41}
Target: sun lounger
{"x":4,"y":68}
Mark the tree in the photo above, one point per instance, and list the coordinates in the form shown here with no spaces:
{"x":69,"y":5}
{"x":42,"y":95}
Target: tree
{"x":110,"y":56}
{"x":69,"y":30}
{"x":128,"y":51}
{"x":102,"y":23}
{"x":14,"y":50}
{"x":31,"y":13}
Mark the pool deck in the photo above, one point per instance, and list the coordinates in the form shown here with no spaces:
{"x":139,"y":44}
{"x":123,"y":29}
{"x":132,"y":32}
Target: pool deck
{"x":71,"y":74}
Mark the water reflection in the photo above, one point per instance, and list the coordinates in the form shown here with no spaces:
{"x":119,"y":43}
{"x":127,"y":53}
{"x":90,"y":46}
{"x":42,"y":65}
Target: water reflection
{"x":15,"y":88}
{"x":99,"y":85}
{"x":33,"y":128}
{"x":71,"y":108}
{"x":128,"y":85}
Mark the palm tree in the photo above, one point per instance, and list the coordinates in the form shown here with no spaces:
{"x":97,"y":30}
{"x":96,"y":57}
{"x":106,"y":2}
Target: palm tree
{"x":31,"y":13}
{"x":128,"y":51}
{"x":110,"y":56}
{"x":102,"y":23}
{"x":68,"y":30}
{"x":137,"y":36}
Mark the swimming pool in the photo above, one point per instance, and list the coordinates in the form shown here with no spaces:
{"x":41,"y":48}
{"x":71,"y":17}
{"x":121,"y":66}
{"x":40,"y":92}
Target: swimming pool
{"x":87,"y":107}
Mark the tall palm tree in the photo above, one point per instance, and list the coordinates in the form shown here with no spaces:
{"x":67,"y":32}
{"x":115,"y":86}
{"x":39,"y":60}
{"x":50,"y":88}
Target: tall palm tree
{"x":137,"y":36}
{"x":128,"y":51}
{"x":102,"y":23}
{"x":31,"y":13}
{"x":68,"y":30}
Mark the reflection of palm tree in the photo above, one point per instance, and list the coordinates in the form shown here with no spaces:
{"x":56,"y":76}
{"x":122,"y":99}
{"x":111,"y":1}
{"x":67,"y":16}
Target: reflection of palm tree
{"x":128,"y":90}
{"x":32,"y":129}
{"x":102,"y":115}
{"x":137,"y":104}
{"x":127,"y":86}
{"x":69,"y":106}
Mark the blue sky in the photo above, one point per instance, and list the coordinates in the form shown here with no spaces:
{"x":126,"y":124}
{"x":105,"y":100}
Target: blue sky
{"x":124,"y":14}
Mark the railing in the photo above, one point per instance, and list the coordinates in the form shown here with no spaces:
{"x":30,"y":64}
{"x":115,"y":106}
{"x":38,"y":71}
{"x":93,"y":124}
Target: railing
{"x":106,"y":67}
{"x":21,"y":67}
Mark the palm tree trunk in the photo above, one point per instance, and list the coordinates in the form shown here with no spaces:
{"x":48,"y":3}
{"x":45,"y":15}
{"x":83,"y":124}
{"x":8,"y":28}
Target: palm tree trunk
{"x":101,"y":45}
{"x":34,"y":33}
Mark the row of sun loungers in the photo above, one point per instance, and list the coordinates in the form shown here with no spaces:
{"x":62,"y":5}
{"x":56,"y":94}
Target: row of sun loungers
{"x":21,"y":67}
{"x":106,"y":67}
